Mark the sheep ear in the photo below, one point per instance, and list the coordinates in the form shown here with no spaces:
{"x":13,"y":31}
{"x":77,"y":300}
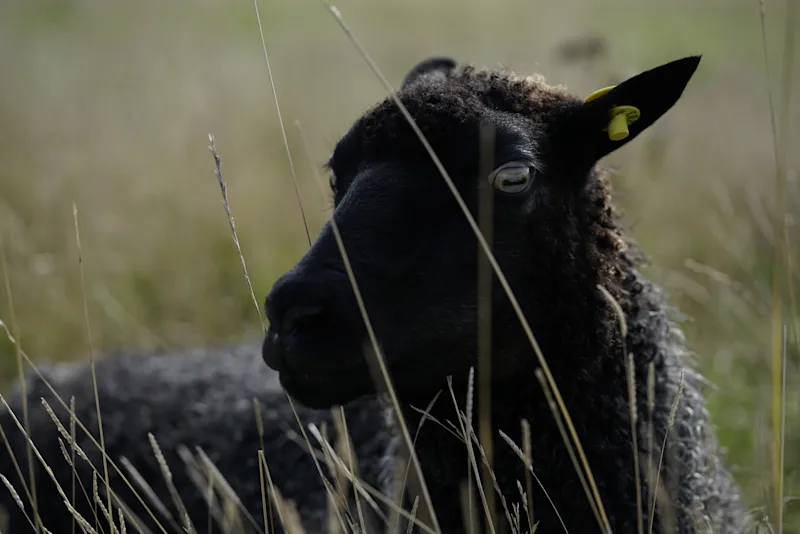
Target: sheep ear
{"x":434,"y":65}
{"x":611,"y":117}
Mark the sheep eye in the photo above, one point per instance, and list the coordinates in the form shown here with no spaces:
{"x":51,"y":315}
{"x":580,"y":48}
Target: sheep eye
{"x":512,"y":177}
{"x":332,"y":181}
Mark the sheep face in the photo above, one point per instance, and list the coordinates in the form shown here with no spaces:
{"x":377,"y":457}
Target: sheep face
{"x":412,"y":251}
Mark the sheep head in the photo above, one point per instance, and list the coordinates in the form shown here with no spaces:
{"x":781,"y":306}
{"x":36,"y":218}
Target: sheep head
{"x":413,"y":253}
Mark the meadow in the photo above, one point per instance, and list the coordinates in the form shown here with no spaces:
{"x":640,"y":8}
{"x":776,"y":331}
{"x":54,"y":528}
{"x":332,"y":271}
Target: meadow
{"x":107,"y":107}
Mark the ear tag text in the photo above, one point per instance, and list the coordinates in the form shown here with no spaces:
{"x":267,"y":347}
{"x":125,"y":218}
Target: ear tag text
{"x":620,"y":116}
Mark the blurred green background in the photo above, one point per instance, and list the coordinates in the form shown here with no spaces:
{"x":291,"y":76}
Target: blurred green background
{"x":109,"y":104}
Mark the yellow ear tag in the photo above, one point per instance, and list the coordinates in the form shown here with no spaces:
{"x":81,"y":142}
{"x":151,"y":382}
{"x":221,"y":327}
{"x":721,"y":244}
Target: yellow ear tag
{"x":621,"y":116}
{"x":597,"y":94}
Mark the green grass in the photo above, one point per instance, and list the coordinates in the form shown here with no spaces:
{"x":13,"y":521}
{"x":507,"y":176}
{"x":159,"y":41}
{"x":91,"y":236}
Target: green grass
{"x":109,"y":105}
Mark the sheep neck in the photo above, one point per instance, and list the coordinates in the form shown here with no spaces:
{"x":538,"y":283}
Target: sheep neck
{"x":582,"y":343}
{"x":583,"y":360}
{"x":444,"y":457}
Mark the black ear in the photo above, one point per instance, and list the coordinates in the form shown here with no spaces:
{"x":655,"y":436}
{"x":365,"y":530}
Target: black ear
{"x":586,"y":132}
{"x":434,"y":65}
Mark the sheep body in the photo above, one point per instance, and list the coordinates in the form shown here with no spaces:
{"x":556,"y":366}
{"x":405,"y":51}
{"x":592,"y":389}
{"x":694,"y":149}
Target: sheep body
{"x":196,"y":398}
{"x":558,"y":239}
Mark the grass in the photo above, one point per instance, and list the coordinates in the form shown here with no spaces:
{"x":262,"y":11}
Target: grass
{"x":109,"y":104}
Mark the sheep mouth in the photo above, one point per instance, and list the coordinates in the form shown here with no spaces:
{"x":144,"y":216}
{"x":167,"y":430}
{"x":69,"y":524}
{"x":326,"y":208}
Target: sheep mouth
{"x":319,"y":352}
{"x":320,"y":390}
{"x":317,"y":374}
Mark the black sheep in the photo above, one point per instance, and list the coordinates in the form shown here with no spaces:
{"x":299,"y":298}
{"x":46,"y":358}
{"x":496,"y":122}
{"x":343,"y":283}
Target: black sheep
{"x":195,"y":398}
{"x":557,"y":238}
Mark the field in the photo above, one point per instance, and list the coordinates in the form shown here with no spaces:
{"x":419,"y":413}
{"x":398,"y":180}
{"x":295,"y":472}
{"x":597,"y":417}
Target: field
{"x":108,"y":105}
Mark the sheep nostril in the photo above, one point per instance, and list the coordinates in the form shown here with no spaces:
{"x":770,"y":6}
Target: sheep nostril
{"x":300,"y":315}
